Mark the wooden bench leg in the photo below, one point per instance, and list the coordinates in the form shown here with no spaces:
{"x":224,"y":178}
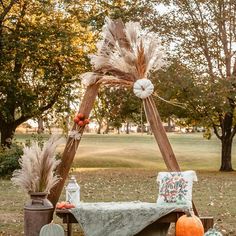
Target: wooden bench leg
{"x":69,"y":226}
{"x":208,"y":222}
{"x":69,"y":229}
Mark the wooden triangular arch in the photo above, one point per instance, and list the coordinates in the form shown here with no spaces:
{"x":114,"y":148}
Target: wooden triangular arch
{"x":152,"y":115}
{"x":72,"y":145}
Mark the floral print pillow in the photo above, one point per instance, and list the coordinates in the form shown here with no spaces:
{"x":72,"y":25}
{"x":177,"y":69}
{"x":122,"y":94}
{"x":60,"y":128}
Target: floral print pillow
{"x":175,"y":188}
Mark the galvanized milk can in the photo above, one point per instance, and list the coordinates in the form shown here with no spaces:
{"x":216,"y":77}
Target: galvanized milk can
{"x":38,"y":211}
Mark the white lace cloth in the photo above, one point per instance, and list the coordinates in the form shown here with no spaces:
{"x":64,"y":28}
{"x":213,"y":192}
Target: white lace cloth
{"x":118,"y":218}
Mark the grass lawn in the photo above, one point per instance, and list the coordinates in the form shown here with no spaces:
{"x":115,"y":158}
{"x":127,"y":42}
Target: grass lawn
{"x":141,"y":151}
{"x":124,"y":168}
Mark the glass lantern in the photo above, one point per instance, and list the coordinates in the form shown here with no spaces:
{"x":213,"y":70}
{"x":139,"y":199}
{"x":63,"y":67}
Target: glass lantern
{"x":73,"y":192}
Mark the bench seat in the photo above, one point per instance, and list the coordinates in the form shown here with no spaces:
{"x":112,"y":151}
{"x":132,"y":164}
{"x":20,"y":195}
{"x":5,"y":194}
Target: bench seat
{"x":159,"y":225}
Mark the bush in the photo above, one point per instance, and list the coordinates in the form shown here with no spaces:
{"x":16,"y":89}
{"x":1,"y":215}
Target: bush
{"x":9,"y":160}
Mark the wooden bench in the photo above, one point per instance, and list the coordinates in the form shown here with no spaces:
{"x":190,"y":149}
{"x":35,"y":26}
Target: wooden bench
{"x":161,"y":224}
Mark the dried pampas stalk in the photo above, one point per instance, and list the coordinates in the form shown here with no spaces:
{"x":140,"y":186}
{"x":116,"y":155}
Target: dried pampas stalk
{"x":88,"y":78}
{"x":141,"y":64}
{"x":115,"y":82}
{"x":126,"y":51}
{"x":38,"y":165}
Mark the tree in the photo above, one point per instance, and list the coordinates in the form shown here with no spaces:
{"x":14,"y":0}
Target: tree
{"x":42,"y":48}
{"x":114,"y":106}
{"x":130,"y":109}
{"x":202,"y":36}
{"x":97,"y":10}
{"x":63,"y":111}
{"x":175,"y":95}
{"x":101,"y":110}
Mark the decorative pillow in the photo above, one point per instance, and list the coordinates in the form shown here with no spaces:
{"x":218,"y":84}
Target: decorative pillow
{"x":175,"y":188}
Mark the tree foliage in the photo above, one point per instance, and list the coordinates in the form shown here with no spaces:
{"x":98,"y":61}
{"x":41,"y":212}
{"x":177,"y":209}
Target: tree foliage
{"x":201,"y":34}
{"x":42,"y":48}
{"x":116,"y":105}
{"x":97,"y":10}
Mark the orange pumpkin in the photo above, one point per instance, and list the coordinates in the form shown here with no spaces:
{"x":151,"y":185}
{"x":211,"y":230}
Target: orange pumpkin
{"x":189,"y":225}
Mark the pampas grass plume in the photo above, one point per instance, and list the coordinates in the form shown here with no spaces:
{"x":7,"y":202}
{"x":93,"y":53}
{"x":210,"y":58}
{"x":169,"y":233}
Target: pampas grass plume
{"x":133,"y":53}
{"x":38,"y":165}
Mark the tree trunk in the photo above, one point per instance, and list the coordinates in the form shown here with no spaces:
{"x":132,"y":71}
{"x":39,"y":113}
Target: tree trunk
{"x":228,"y":132}
{"x":169,"y":128}
{"x":107,"y":128}
{"x":99,"y":127}
{"x":127,"y":128}
{"x":40,"y":126}
{"x":226,"y":157}
{"x":7,"y":133}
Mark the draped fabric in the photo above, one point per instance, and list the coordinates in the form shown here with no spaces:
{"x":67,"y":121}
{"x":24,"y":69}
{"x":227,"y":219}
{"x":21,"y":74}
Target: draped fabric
{"x":118,"y":218}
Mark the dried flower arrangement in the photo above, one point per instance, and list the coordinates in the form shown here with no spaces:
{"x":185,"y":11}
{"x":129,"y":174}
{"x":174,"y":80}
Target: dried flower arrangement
{"x":38,"y":165}
{"x":125,"y":54}
{"x":125,"y":57}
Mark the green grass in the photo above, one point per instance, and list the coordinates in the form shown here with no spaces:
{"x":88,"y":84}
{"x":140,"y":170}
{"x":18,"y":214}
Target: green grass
{"x":124,"y":168}
{"x":141,"y":151}
{"x":214,"y":195}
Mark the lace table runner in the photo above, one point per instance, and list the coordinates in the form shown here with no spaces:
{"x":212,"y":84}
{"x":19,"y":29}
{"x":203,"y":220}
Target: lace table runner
{"x":118,"y":218}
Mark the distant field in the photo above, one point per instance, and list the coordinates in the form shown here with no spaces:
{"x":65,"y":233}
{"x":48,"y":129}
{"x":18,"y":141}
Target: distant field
{"x":141,"y":151}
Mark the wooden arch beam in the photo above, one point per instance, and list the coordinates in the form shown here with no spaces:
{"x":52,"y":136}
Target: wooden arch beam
{"x":159,"y":132}
{"x":72,"y":145}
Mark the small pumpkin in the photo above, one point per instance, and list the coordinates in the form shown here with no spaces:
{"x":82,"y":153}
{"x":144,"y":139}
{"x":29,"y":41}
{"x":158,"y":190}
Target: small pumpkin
{"x":86,"y":121}
{"x":189,"y":225}
{"x":60,"y":205}
{"x":143,"y":88}
{"x":64,"y":205}
{"x":81,"y":116}
{"x":76,"y":119}
{"x":69,"y":205}
{"x":52,"y":230}
{"x":81,"y":123}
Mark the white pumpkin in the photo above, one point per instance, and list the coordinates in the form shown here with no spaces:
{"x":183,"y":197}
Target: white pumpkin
{"x":213,"y":232}
{"x":51,"y":230}
{"x":143,"y":88}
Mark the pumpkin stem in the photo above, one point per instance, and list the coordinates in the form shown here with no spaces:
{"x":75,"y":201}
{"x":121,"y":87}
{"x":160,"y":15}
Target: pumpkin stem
{"x":216,"y":226}
{"x":189,"y":212}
